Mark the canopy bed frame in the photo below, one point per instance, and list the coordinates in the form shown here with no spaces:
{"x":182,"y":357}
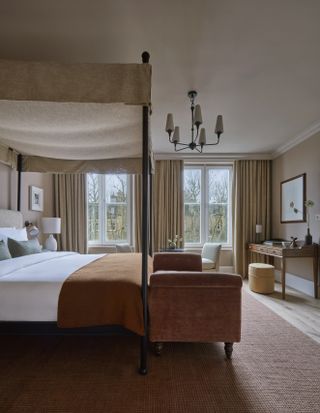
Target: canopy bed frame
{"x":124,"y":87}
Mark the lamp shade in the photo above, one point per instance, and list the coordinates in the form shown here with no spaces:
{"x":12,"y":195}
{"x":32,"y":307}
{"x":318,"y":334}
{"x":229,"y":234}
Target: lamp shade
{"x":258,"y":229}
{"x":202,"y":137}
{"x":176,"y":134}
{"x":51,"y":225}
{"x":169,"y":123}
{"x":197,"y":115}
{"x":219,"y":125}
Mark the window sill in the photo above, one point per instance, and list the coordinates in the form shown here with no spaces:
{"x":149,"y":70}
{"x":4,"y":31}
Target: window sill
{"x":199,"y":247}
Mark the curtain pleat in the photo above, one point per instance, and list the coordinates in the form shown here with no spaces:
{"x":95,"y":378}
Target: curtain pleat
{"x":70,"y":202}
{"x":167,"y":202}
{"x":252,"y":205}
{"x":137,"y":212}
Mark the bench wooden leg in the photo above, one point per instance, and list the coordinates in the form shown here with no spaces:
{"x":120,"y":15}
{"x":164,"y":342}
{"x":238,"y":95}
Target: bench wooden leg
{"x":228,"y":348}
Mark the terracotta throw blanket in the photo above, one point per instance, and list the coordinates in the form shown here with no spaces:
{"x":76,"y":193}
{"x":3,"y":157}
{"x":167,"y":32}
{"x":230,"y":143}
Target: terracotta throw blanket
{"x":104,"y":292}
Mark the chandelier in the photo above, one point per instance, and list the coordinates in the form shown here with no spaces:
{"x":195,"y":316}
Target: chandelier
{"x":198,"y":141}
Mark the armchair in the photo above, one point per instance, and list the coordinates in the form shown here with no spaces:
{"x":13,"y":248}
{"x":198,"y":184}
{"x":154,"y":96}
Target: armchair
{"x":211,"y":257}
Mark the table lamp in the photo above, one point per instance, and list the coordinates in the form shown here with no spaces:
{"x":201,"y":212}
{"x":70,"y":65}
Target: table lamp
{"x":51,"y":226}
{"x":258,"y":232}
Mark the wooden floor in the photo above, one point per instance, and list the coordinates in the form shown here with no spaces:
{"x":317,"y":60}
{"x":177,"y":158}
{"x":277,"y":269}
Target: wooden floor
{"x":298,"y":309}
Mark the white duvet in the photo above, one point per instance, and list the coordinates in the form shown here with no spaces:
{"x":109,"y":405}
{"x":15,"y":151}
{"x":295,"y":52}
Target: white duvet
{"x":30,"y":285}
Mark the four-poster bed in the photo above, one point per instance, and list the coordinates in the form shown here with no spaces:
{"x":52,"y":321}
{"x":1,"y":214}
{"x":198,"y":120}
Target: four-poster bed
{"x":109,"y":141}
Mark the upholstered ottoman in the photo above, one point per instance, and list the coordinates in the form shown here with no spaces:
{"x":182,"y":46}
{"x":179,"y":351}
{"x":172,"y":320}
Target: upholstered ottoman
{"x":261,"y":278}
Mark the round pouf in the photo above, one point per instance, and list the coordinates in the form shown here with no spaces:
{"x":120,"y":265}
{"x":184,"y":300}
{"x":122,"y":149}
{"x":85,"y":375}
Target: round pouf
{"x":261,"y":278}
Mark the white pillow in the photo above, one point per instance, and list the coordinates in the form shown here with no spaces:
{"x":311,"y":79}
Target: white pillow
{"x":18,"y":234}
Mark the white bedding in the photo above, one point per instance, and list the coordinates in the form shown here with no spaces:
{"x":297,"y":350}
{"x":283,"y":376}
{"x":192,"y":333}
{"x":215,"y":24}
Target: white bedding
{"x":30,"y":285}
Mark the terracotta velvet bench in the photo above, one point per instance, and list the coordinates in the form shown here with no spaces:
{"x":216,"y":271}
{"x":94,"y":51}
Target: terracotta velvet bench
{"x":188,"y":305}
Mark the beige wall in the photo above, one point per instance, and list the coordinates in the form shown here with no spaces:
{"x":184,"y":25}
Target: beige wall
{"x":303,"y":158}
{"x":8,"y":192}
{"x":44,"y":181}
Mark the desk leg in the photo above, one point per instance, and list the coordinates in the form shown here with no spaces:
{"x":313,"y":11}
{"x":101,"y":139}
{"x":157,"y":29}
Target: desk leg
{"x":315,"y":274}
{"x":283,"y":277}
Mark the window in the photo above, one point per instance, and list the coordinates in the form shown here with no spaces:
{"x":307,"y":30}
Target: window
{"x":207,"y":204}
{"x":109,"y":208}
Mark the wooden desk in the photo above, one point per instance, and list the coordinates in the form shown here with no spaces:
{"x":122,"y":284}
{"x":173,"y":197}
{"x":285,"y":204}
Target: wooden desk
{"x":310,"y":251}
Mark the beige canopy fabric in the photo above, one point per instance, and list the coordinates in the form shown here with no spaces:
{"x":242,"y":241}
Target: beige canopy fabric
{"x":73,"y":118}
{"x":57,"y":82}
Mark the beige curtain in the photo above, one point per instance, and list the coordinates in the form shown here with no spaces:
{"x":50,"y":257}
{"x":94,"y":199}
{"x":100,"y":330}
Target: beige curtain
{"x":71,"y":206}
{"x":8,"y":156}
{"x":252,"y":205}
{"x":137,"y":211}
{"x":167,"y":202}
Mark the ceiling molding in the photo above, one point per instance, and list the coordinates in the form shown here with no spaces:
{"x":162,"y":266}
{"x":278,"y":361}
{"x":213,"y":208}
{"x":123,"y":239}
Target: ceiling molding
{"x":221,"y":157}
{"x":306,"y":134}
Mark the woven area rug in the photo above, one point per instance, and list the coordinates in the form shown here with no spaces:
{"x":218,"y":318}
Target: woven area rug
{"x":275,"y":368}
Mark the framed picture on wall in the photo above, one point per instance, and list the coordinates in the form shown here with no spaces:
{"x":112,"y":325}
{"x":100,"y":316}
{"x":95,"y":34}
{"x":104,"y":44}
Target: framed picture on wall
{"x":292,"y":199}
{"x":35,"y":198}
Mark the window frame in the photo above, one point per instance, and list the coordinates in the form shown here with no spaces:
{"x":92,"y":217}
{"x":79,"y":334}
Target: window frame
{"x":103,"y":209}
{"x":204,"y":203}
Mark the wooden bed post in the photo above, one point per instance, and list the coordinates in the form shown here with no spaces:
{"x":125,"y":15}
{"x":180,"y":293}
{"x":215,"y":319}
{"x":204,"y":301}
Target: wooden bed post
{"x":145,"y":229}
{"x":19,"y":165}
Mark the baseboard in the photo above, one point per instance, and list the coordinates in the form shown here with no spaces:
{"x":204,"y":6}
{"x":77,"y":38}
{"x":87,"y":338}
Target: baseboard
{"x":47,"y":328}
{"x":226,"y":269}
{"x":298,"y":283}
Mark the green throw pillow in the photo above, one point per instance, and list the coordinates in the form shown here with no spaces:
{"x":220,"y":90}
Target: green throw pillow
{"x":20,"y":248}
{"x":4,"y":251}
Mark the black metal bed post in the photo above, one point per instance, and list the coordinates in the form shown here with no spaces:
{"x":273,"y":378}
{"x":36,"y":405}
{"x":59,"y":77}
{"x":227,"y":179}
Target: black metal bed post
{"x":150,"y":211}
{"x":145,"y":229}
{"x":19,"y":165}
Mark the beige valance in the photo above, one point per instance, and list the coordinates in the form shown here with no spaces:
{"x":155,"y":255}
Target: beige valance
{"x":57,"y":82}
{"x":105,"y":166}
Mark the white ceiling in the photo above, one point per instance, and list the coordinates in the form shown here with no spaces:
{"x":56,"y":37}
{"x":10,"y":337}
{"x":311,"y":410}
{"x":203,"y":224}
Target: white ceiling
{"x":256,"y":62}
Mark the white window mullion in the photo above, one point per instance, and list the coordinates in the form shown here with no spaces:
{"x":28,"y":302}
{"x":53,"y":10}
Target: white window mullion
{"x":102,"y":209}
{"x":204,"y":207}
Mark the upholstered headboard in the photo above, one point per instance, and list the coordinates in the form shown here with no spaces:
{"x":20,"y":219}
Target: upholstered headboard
{"x":10,"y":218}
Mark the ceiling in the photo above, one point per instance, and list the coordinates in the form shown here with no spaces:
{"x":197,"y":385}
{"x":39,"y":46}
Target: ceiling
{"x":255,"y":62}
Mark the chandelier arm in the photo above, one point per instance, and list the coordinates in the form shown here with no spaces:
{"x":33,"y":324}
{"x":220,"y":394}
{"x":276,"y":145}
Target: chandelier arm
{"x":198,"y":128}
{"x":181,"y":149}
{"x":213,"y":144}
{"x":182,"y":144}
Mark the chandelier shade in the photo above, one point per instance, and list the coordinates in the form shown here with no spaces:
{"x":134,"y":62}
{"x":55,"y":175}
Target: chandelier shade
{"x":198,"y":135}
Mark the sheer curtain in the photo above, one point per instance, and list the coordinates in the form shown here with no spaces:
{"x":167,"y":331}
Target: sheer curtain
{"x":252,"y":205}
{"x":70,"y":201}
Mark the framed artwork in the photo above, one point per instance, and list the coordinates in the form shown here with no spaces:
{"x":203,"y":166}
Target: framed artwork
{"x":292,"y":199}
{"x":35,"y":198}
